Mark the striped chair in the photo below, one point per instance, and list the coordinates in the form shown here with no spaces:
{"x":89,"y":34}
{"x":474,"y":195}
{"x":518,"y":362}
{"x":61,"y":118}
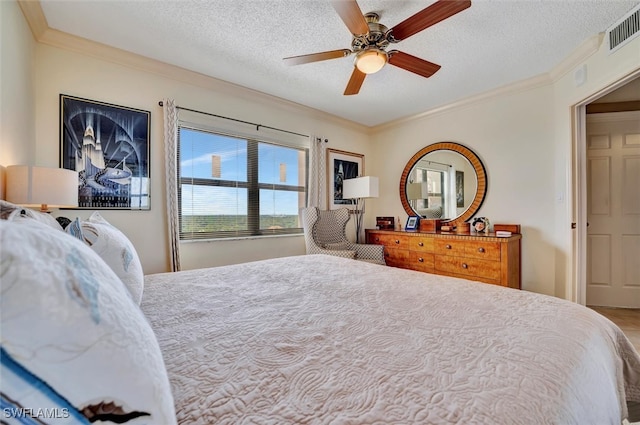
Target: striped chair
{"x":324,"y":233}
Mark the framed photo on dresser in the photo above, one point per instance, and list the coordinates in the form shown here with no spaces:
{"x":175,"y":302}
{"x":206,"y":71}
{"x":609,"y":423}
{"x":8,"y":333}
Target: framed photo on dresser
{"x":413,"y":222}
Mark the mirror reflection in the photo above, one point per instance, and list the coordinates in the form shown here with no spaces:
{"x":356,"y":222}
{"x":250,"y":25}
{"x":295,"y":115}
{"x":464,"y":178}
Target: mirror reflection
{"x":442,"y":184}
{"x":445,"y":180}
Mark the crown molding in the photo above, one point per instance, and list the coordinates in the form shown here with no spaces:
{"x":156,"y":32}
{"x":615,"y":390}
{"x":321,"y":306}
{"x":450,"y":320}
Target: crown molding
{"x":581,"y":54}
{"x":589,"y":47}
{"x":34,"y":15}
{"x":541,"y":80}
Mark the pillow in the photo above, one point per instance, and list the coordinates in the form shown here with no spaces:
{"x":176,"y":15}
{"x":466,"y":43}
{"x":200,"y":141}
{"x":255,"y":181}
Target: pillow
{"x":12,"y":212}
{"x":72,"y":338}
{"x":6,"y":208}
{"x":338,"y":246}
{"x":63,"y":222}
{"x":114,"y":248}
{"x":342,"y":250}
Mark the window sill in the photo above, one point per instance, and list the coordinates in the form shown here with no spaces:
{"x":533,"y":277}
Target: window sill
{"x":242,"y":238}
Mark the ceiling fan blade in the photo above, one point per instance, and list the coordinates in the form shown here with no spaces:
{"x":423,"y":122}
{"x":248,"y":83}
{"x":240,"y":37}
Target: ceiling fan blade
{"x":355,"y":82}
{"x":412,"y":63}
{"x":351,"y":15}
{"x":315,"y":57}
{"x":427,"y":17}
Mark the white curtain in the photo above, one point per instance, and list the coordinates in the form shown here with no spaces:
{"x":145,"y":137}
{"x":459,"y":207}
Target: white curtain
{"x":317,"y":195}
{"x":450,"y":201}
{"x":171,"y":178}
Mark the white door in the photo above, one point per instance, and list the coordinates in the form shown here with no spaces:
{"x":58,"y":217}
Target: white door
{"x":613,"y":209}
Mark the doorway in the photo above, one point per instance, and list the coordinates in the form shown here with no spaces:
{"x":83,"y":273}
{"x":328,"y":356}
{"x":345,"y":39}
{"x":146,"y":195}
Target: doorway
{"x":607,"y":164}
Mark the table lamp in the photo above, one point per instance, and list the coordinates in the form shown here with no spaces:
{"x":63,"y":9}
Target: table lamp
{"x":359,"y":189}
{"x":41,"y":187}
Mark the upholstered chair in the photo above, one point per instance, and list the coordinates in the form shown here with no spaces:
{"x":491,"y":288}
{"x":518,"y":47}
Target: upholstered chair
{"x":324,"y":233}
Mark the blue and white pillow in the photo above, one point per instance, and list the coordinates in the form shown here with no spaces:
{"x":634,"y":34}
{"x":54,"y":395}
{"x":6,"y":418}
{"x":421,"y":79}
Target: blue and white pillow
{"x":72,"y":337}
{"x":114,"y":248}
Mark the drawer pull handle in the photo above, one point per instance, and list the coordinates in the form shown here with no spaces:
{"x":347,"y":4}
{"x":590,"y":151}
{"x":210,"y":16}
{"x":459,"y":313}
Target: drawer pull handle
{"x":448,"y":246}
{"x":397,"y":241}
{"x":465,"y":266}
{"x":481,"y":249}
{"x":420,"y":244}
{"x":421,"y":260}
{"x":377,"y":239}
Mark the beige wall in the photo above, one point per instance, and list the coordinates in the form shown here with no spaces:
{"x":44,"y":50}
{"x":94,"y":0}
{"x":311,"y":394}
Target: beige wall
{"x":522,"y":134}
{"x":17,"y":53}
{"x":524,"y":138}
{"x":67,"y":72}
{"x":602,"y":70}
{"x":513,"y":135}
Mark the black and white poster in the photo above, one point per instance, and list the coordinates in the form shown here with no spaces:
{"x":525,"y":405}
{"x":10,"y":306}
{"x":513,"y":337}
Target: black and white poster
{"x":109,"y":147}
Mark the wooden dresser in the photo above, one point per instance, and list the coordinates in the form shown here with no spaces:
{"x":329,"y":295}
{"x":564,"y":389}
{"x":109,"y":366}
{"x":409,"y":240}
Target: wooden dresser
{"x":488,"y":259}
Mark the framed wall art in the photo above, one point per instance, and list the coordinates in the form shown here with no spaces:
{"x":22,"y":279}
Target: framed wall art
{"x":342,"y":165}
{"x":109,"y":147}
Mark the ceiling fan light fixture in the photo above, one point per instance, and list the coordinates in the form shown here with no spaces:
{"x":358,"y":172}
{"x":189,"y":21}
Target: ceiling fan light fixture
{"x":371,"y":61}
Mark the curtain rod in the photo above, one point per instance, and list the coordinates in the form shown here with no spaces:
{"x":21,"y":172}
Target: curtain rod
{"x":237,"y":120}
{"x":439,"y":163}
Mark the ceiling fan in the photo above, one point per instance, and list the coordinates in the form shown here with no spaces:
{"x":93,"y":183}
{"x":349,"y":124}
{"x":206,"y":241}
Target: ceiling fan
{"x":371,"y":38}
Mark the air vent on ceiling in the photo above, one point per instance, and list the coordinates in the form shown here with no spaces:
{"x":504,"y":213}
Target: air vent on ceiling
{"x":624,"y":30}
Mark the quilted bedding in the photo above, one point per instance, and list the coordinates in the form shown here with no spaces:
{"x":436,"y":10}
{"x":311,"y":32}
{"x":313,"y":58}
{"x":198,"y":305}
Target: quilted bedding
{"x":325,"y":340}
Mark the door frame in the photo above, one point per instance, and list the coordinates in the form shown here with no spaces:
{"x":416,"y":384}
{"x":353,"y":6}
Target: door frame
{"x":579,"y":185}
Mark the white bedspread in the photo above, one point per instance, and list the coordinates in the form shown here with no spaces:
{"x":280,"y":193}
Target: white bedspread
{"x":325,"y":340}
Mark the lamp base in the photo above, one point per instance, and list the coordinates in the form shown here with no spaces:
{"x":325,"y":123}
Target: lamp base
{"x":359,"y":213}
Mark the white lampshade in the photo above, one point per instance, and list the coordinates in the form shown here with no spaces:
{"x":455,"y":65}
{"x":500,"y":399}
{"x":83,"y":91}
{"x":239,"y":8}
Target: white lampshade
{"x":417,"y":191}
{"x":41,"y":187}
{"x":360,"y":187}
{"x":2,"y":182}
{"x":371,"y":61}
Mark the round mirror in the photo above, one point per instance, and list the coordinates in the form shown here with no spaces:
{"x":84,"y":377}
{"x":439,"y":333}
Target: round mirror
{"x":445,"y":180}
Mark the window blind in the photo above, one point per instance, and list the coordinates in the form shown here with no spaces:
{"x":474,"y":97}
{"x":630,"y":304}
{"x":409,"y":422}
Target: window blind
{"x":231,"y":185}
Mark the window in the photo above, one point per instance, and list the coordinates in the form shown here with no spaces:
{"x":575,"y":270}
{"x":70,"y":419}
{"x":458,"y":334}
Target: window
{"x":232,"y":186}
{"x":435,"y":182}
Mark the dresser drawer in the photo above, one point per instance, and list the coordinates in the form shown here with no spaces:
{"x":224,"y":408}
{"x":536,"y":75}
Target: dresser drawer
{"x":483,"y":250}
{"x":472,"y":249}
{"x":421,"y":244}
{"x":452,"y":247}
{"x":421,"y":261}
{"x":483,"y":259}
{"x":392,"y":241}
{"x":468,"y":267}
{"x":396,"y":257}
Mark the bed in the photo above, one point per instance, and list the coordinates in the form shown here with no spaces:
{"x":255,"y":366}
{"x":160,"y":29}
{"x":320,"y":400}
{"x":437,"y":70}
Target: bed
{"x":87,"y":338}
{"x":323,"y":340}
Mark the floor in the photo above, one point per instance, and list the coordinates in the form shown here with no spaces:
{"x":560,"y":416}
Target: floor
{"x":629,"y":321}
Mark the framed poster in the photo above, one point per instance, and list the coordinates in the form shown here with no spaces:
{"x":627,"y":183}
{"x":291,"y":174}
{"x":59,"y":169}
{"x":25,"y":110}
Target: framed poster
{"x":342,"y":165}
{"x":109,"y":147}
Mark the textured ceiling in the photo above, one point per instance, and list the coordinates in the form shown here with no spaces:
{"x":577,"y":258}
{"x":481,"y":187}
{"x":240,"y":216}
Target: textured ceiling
{"x":490,"y":44}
